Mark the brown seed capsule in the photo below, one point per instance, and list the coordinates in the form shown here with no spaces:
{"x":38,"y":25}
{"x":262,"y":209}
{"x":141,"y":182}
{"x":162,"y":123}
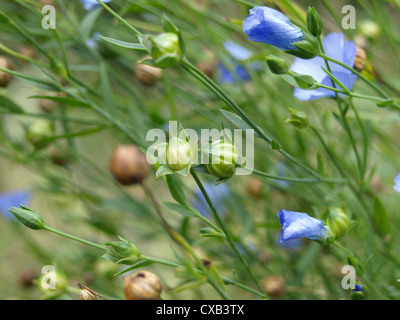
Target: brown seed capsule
{"x":148,"y":75}
{"x":129,"y":165}
{"x":27,"y":277}
{"x":254,"y":187}
{"x":142,"y":285}
{"x":59,"y":156}
{"x":87,"y":295}
{"x":207,"y":67}
{"x":27,"y":51}
{"x":5,"y":78}
{"x":360,"y":59}
{"x":274,"y":286}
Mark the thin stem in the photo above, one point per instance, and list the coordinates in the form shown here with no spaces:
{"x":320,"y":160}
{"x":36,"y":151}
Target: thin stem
{"x":66,"y":235}
{"x":227,"y":233}
{"x":187,"y":66}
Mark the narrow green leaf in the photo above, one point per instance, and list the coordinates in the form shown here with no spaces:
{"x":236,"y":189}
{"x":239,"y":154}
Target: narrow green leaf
{"x":239,"y":122}
{"x":175,"y":188}
{"x":11,"y":106}
{"x":123,"y":44}
{"x":181,"y":209}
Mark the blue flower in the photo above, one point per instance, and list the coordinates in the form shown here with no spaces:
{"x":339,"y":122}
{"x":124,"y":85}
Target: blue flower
{"x":336,"y":48}
{"x":270,"y":26}
{"x":397,"y":183}
{"x":13,"y":199}
{"x":301,"y":225}
{"x":238,"y":53}
{"x":217,"y":193}
{"x":91,"y":4}
{"x":358,"y":288}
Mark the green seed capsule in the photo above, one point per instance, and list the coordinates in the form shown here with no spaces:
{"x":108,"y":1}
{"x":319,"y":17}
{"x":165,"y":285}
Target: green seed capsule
{"x":179,"y":154}
{"x":222,"y":159}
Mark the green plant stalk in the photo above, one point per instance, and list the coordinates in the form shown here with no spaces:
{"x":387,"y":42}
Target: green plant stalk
{"x":225,"y":230}
{"x":187,"y":66}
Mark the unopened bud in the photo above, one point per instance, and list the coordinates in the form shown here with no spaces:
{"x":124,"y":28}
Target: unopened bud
{"x":125,"y":251}
{"x":39,"y":132}
{"x":5,"y":78}
{"x":277,"y":65}
{"x":360,"y":292}
{"x":142,"y":285}
{"x":28,"y":217}
{"x":274,"y":286}
{"x":307,"y":48}
{"x":223,"y":157}
{"x":360,"y":59}
{"x":298,"y":119}
{"x":166,"y":50}
{"x":129,"y":165}
{"x":338,"y":222}
{"x":148,"y":75}
{"x":180,"y":153}
{"x":369,"y":29}
{"x":314,"y":22}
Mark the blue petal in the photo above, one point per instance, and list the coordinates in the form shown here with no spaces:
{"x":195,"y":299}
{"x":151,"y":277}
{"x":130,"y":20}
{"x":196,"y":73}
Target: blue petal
{"x":225,"y":76}
{"x":91,"y":4}
{"x":397,"y":183}
{"x":270,"y":26}
{"x":300,"y":225}
{"x":336,"y":48}
{"x":218,"y":195}
{"x":237,"y":51}
{"x":13,"y":199}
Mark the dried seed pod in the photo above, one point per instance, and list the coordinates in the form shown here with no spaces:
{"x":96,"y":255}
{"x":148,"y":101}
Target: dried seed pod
{"x":142,"y":285}
{"x":129,"y":165}
{"x":254,"y":187}
{"x":27,"y":277}
{"x":27,"y":51}
{"x":87,"y":295}
{"x":5,"y":78}
{"x":59,"y":157}
{"x":360,"y":59}
{"x":274,"y":286}
{"x":148,"y":75}
{"x":207,"y":67}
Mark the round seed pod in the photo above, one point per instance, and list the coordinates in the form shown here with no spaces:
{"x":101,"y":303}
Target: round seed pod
{"x":254,"y":187}
{"x":360,"y":59}
{"x":5,"y":78}
{"x":59,"y":157}
{"x":28,"y":276}
{"x":179,"y":153}
{"x":222,"y":159}
{"x":274,"y":286}
{"x":129,"y":165}
{"x":148,"y":75}
{"x":207,"y":67}
{"x":142,"y":285}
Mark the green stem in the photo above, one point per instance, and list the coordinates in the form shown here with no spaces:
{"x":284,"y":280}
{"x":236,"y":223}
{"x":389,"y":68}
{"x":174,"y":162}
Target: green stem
{"x":187,"y":66}
{"x":66,"y":235}
{"x":227,"y":233}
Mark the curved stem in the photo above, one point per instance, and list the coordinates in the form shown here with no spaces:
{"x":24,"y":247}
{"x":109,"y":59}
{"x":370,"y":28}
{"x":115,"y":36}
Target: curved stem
{"x":227,"y":233}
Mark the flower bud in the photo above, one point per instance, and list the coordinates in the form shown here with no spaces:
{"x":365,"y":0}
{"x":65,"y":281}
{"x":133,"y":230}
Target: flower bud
{"x":142,"y":285}
{"x":129,"y":165}
{"x":274,"y":286}
{"x":360,"y":292}
{"x":53,"y":285}
{"x":180,"y":153}
{"x":148,"y":75}
{"x":369,"y":29}
{"x":28,"y":217}
{"x":222,"y":159}
{"x":5,"y":78}
{"x":314,"y":22}
{"x":166,"y":50}
{"x":360,"y":59}
{"x":307,"y":48}
{"x":124,"y":251}
{"x":338,"y":222}
{"x":277,"y":65}
{"x":38,"y":133}
{"x":298,"y":119}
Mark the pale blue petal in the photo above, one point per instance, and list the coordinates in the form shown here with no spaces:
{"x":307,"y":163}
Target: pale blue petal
{"x":91,"y":4}
{"x":300,"y":225}
{"x":237,"y":51}
{"x":270,"y":26}
{"x":13,"y":199}
{"x":397,"y":183}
